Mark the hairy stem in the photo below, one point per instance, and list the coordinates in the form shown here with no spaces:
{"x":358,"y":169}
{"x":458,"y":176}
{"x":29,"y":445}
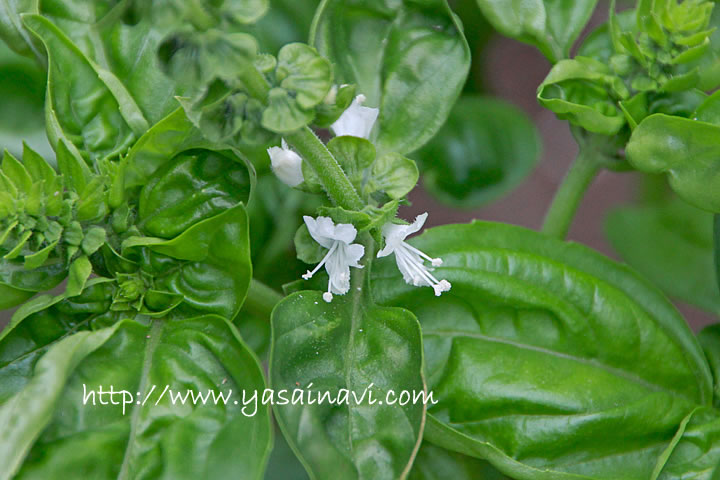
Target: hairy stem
{"x":261,"y":299}
{"x":570,"y":194}
{"x":311,"y":149}
{"x":333,"y":178}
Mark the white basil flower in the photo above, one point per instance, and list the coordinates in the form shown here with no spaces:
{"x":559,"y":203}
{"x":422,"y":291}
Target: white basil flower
{"x":410,"y":260}
{"x":356,"y":120}
{"x":342,"y":253}
{"x":286,"y":164}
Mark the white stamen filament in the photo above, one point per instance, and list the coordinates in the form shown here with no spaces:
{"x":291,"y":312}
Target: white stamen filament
{"x":308,"y":275}
{"x":405,"y":258}
{"x":436,"y":262}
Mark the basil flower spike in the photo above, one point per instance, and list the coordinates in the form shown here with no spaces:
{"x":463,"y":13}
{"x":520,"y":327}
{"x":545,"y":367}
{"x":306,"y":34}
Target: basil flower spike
{"x":342,"y":253}
{"x":356,"y":120}
{"x":286,"y":164}
{"x":410,"y":260}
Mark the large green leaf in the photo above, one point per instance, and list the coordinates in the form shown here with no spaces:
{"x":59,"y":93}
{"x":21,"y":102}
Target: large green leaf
{"x":546,"y":358}
{"x":193,"y":186}
{"x":550,"y":25}
{"x":208,"y":264}
{"x":122,"y":41}
{"x":686,"y":149}
{"x":348,"y":346}
{"x":86,"y":105}
{"x":484,"y":150}
{"x":23,"y":345}
{"x":158,"y":146}
{"x":12,"y":31}
{"x":22,"y":118}
{"x":410,"y":59}
{"x":17,"y":284}
{"x":695,"y":454}
{"x":671,"y":244}
{"x":710,"y":340}
{"x":435,"y":463}
{"x":147,"y":435}
{"x":26,"y":414}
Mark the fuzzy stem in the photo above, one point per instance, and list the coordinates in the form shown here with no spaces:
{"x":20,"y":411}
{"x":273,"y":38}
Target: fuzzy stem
{"x":570,"y":194}
{"x":333,"y":178}
{"x":311,"y":149}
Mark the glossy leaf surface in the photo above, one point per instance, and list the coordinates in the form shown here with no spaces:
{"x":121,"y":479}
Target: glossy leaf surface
{"x":550,"y":25}
{"x":175,"y":441}
{"x":548,"y":359}
{"x":485,"y":149}
{"x":346,"y":347}
{"x":410,"y":59}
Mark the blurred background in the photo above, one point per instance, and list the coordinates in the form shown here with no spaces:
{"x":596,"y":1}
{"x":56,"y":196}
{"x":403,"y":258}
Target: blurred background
{"x":475,"y":155}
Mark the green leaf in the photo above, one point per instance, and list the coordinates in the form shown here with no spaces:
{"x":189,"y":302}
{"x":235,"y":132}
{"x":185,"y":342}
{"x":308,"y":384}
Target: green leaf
{"x":709,"y":338}
{"x":355,"y":155}
{"x":22,"y":345}
{"x":27,"y":413}
{"x":550,"y":25}
{"x":340,"y":347}
{"x":303,"y":73}
{"x":167,"y":138}
{"x":392,"y":175}
{"x":283,"y":113}
{"x":435,"y":463}
{"x":308,"y":250}
{"x":74,"y":170}
{"x":486,"y":149}
{"x":696,"y":453}
{"x":649,"y":239}
{"x":286,"y":21}
{"x":122,"y":38}
{"x":198,"y":58}
{"x":409,"y":59}
{"x":211,"y":267}
{"x":548,"y":359}
{"x":86,"y":105}
{"x":220,"y":119}
{"x":94,"y":238}
{"x":180,"y":441}
{"x":17,"y":284}
{"x":193,"y":186}
{"x":585,"y":92}
{"x":16,"y":173}
{"x":686,"y":150}
{"x":12,"y":31}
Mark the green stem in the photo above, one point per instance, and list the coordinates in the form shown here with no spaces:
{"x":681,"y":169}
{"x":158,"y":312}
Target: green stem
{"x":570,"y":194}
{"x":333,"y":178}
{"x":261,"y":299}
{"x":310,"y":148}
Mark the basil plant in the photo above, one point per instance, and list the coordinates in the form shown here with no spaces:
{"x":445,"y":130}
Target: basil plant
{"x":209,"y":271}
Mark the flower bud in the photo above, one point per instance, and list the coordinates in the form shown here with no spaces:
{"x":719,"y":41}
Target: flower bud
{"x":286,"y":164}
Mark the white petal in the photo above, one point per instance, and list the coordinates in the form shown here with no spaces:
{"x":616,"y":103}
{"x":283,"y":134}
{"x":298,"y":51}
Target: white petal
{"x":389,"y":249}
{"x":286,"y":164}
{"x":320,"y":229}
{"x":353,"y":254}
{"x":417,"y":224}
{"x":344,"y":232}
{"x":356,"y":120}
